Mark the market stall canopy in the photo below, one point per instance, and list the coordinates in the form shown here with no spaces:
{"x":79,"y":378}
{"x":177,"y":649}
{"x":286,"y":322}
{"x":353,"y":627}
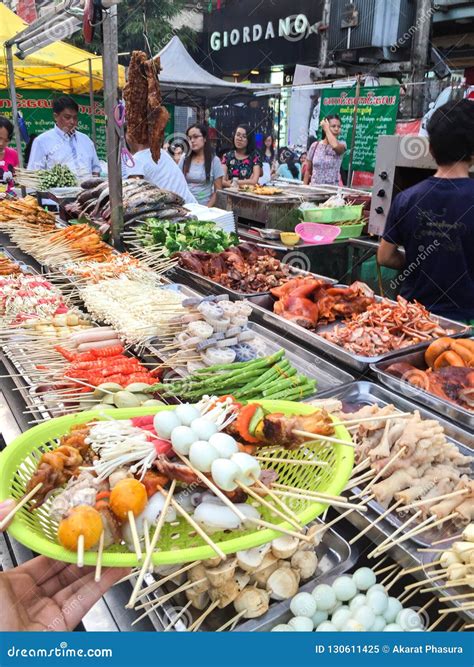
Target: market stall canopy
{"x":59,"y":66}
{"x":184,"y":81}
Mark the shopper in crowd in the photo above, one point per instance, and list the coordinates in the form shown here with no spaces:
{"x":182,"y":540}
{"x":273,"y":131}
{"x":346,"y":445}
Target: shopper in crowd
{"x":243,"y":162}
{"x":323,"y":162}
{"x":303,"y":165}
{"x":46,"y":595}
{"x":176,"y":151}
{"x":269,"y":155}
{"x":64,"y":144}
{"x":164,"y":174}
{"x":8,"y":156}
{"x":434,"y":223}
{"x":288,"y":168}
{"x":202,"y":169}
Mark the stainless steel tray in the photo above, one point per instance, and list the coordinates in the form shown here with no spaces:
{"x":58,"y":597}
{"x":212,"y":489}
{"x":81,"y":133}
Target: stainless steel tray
{"x":335,"y":557}
{"x":358,"y":394}
{"x":211,"y":287}
{"x":451,"y":410}
{"x":263,"y":312}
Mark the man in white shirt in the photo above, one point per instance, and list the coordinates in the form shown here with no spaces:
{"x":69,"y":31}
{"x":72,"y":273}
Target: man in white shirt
{"x":164,"y":174}
{"x":64,"y":144}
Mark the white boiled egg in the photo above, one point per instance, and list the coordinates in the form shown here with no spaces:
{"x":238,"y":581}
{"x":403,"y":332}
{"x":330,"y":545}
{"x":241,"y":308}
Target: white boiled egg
{"x":203,"y":428}
{"x":249,"y":467}
{"x":202,"y":455}
{"x":182,"y":437}
{"x":164,"y":422}
{"x":225,"y":473}
{"x":187,"y":413}
{"x":225,"y":444}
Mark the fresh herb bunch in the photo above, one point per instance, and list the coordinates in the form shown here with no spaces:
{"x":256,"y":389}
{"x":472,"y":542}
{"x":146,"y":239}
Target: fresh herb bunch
{"x":177,"y":236}
{"x":60,"y":176}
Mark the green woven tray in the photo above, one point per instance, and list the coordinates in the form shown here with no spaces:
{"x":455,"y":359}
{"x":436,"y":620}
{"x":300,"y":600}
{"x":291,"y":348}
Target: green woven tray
{"x":178,"y":543}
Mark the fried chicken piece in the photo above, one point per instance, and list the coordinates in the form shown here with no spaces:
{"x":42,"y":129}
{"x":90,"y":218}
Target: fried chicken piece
{"x":279,"y":429}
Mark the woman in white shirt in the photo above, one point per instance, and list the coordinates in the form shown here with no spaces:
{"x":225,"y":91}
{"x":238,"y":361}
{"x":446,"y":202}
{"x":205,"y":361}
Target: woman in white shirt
{"x":202,"y":170}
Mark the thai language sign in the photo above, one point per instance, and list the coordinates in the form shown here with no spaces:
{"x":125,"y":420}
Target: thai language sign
{"x":35,"y":106}
{"x":376,"y":115}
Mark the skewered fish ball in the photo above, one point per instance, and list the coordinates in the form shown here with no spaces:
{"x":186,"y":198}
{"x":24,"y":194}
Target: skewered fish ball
{"x":344,"y":588}
{"x":326,"y":626}
{"x":81,"y":520}
{"x":282,"y":627}
{"x":128,"y":495}
{"x":379,"y":624}
{"x":358,"y":601}
{"x":225,"y":444}
{"x":164,"y":423}
{"x":187,"y":413}
{"x":182,"y":438}
{"x":225,"y":473}
{"x":408,"y":620}
{"x":392,"y":627}
{"x":202,"y":455}
{"x":325,"y":597}
{"x":203,"y":428}
{"x":364,"y":578}
{"x":303,"y":604}
{"x":365,"y":616}
{"x":341,"y":616}
{"x":301,"y":624}
{"x":319,"y":617}
{"x":394,"y":606}
{"x":377,"y":601}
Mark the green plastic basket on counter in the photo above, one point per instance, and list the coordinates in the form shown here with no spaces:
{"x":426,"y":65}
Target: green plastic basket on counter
{"x":178,"y":543}
{"x":332,"y":215}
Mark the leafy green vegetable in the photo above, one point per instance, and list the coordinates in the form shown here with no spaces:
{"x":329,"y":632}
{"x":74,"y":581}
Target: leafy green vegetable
{"x":193,"y":235}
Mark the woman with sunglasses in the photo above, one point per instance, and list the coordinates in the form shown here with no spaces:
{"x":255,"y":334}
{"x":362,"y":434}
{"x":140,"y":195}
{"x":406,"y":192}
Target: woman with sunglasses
{"x":202,"y":170}
{"x":244,"y":162}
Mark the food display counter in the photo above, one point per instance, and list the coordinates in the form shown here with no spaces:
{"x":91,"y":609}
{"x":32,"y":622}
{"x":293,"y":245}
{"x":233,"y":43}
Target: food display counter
{"x":358,"y":526}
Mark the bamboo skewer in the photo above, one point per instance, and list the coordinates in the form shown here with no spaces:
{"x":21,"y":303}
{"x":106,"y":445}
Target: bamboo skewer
{"x":80,"y":551}
{"x":389,"y":568}
{"x":285,"y":509}
{"x":374,"y":523}
{"x":153,"y":543}
{"x":269,"y":506}
{"x":176,"y":618}
{"x":356,"y":422}
{"x":435,"y":499}
{"x":292,"y":461}
{"x":325,"y":501}
{"x":381,"y":547}
{"x":157,"y":584}
{"x":460,"y":596}
{"x":315,"y":437}
{"x":135,"y":537}
{"x":385,"y":468}
{"x":446,"y":539}
{"x":154,"y":604}
{"x":100,"y":553}
{"x":233,"y":620}
{"x":318,"y":494}
{"x":199,"y":621}
{"x":6,"y":520}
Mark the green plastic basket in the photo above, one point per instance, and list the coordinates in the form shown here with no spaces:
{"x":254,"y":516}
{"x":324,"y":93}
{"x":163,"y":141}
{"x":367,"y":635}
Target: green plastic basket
{"x":350,"y":231}
{"x":178,"y":542}
{"x":332,"y":215}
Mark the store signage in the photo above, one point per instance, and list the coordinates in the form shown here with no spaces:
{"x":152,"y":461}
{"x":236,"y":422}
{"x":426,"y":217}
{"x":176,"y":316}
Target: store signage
{"x":376,"y":115}
{"x":245,"y":34}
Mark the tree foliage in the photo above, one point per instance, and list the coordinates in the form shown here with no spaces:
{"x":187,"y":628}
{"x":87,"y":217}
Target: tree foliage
{"x":146,"y":25}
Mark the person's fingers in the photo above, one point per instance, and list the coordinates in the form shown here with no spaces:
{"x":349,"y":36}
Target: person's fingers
{"x":42,"y":568}
{"x":63,"y":579}
{"x":5,"y":508}
{"x":82,"y":597}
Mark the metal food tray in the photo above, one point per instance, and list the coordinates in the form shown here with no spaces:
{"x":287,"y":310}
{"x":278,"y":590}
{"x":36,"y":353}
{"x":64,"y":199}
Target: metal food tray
{"x":440,"y":405}
{"x":263,"y":309}
{"x":356,"y":395}
{"x":23,"y":266}
{"x":213,"y":287}
{"x":335,"y":557}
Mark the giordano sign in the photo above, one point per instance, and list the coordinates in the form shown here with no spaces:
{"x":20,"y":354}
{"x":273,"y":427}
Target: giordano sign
{"x":245,"y":35}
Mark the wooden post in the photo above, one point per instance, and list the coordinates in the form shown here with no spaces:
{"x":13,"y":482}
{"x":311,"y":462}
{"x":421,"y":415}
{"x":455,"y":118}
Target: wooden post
{"x":354,"y":130}
{"x":11,"y":83}
{"x":420,"y":50}
{"x":110,"y":76}
{"x":92,"y":103}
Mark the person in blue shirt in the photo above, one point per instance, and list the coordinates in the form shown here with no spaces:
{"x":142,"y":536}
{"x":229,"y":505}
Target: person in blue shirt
{"x":434,"y":221}
{"x":288,"y":167}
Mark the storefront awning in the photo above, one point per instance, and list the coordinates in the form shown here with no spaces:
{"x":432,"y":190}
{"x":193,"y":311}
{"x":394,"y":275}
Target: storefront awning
{"x":184,"y":81}
{"x":59,"y":66}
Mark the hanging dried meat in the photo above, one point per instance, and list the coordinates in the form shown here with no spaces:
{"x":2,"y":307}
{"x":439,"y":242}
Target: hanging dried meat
{"x":135,"y":94}
{"x":146,"y":117}
{"x":157,"y":114}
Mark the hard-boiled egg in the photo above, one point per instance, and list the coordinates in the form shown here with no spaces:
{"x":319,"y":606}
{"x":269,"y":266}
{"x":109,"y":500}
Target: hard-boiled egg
{"x":202,"y":455}
{"x":203,"y":428}
{"x":182,"y":437}
{"x":164,"y":422}
{"x":225,"y":444}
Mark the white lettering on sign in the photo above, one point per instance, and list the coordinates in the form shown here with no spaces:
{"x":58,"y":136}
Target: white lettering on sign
{"x":234,"y":37}
{"x":216,"y":41}
{"x":293,"y":28}
{"x":257,"y":32}
{"x":270,"y":33}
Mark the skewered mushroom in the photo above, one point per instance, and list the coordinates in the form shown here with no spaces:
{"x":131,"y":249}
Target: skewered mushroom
{"x":305,"y":562}
{"x":283,"y":583}
{"x":284,"y":546}
{"x":254,"y":601}
{"x":198,"y":600}
{"x":224,"y":595}
{"x":251,"y":559}
{"x":195,"y":574}
{"x":220,"y":575}
{"x":269,"y":564}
